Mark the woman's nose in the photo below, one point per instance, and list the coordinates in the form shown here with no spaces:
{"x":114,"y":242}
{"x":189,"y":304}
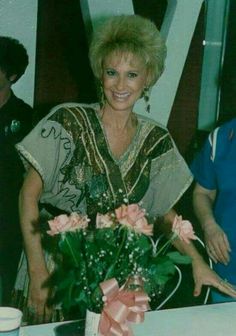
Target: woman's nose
{"x":120,"y":84}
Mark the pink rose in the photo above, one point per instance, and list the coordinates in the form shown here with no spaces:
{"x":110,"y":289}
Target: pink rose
{"x":103,"y":221}
{"x":183,"y":229}
{"x":134,"y":217}
{"x":64,"y":223}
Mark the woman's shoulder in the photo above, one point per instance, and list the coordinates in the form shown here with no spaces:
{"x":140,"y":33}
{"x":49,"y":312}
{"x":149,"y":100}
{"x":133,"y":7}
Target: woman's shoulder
{"x":71,"y":117}
{"x":226,"y":131}
{"x":154,"y":137}
{"x":222,"y":138}
{"x":152,"y":124}
{"x":228,"y":127}
{"x":64,"y":110}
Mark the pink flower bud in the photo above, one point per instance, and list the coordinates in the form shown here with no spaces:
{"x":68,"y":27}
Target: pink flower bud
{"x":183,"y":229}
{"x":133,"y":217}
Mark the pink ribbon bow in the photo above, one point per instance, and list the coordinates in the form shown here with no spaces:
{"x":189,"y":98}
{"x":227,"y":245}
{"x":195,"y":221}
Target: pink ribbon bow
{"x":121,"y":306}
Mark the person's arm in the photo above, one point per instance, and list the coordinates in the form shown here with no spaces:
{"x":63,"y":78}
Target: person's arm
{"x":202,"y":273}
{"x":38,"y":273}
{"x":216,"y":240}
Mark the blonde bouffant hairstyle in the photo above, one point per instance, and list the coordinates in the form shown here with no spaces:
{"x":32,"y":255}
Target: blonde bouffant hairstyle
{"x":129,"y":34}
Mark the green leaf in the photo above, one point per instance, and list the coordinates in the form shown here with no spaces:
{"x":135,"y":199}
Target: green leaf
{"x":179,"y":258}
{"x":66,"y":281}
{"x":70,"y":246}
{"x":81,"y":297}
{"x":165,"y":267}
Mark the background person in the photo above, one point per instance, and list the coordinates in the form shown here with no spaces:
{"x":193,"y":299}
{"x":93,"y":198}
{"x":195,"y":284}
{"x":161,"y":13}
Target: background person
{"x":15,"y":123}
{"x":104,"y":152}
{"x":214,"y":200}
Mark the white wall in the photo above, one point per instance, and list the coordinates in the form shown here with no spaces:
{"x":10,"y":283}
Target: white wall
{"x":18,"y":19}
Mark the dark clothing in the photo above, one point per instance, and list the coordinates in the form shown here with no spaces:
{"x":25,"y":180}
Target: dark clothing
{"x":15,"y":123}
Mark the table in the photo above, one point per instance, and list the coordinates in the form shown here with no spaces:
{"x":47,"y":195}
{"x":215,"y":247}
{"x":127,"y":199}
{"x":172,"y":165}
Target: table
{"x":207,"y":320}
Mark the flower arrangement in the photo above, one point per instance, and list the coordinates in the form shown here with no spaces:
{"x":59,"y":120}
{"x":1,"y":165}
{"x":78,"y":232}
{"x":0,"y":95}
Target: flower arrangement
{"x":116,"y":255}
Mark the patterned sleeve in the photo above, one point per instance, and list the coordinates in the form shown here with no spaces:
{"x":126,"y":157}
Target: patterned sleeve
{"x":202,"y":166}
{"x":48,"y":147}
{"x":169,"y":179}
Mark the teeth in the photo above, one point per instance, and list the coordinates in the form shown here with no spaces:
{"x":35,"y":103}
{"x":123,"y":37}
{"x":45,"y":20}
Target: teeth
{"x":121,"y":95}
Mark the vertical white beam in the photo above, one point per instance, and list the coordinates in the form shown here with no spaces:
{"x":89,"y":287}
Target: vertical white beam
{"x":94,"y":11}
{"x":214,"y":46}
{"x":18,"y":19}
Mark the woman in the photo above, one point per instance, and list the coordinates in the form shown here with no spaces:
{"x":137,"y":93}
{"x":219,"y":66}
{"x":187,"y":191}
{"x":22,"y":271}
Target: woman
{"x":214,"y":200}
{"x":98,"y":157}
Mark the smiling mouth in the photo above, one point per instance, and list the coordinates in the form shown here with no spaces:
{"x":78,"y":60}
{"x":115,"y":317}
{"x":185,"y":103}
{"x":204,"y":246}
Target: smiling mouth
{"x":121,"y":95}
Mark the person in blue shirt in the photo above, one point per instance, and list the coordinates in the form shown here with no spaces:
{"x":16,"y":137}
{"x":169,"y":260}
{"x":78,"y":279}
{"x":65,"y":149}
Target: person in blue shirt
{"x":214,"y":201}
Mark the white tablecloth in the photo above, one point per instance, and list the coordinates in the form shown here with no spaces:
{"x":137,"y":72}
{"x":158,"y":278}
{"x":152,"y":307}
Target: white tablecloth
{"x":208,"y":320}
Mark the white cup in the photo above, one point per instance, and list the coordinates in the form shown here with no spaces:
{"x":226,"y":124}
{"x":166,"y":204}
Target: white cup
{"x":10,"y":321}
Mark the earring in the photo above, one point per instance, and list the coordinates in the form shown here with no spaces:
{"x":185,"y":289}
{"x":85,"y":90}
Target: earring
{"x":101,"y":96}
{"x":146,"y":94}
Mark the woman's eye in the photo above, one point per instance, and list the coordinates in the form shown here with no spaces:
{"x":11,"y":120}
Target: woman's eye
{"x":132,"y":74}
{"x":110,"y":72}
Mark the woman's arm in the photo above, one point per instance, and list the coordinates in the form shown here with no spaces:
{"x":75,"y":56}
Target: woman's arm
{"x":216,"y":240}
{"x":202,"y":273}
{"x":29,"y":218}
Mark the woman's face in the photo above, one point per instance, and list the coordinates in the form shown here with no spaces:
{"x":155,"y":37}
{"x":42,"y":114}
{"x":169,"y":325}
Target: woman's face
{"x":124,"y":78}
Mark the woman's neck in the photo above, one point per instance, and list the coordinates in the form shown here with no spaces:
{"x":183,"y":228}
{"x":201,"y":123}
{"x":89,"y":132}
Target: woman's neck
{"x":119,"y":121}
{"x":120,"y":128}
